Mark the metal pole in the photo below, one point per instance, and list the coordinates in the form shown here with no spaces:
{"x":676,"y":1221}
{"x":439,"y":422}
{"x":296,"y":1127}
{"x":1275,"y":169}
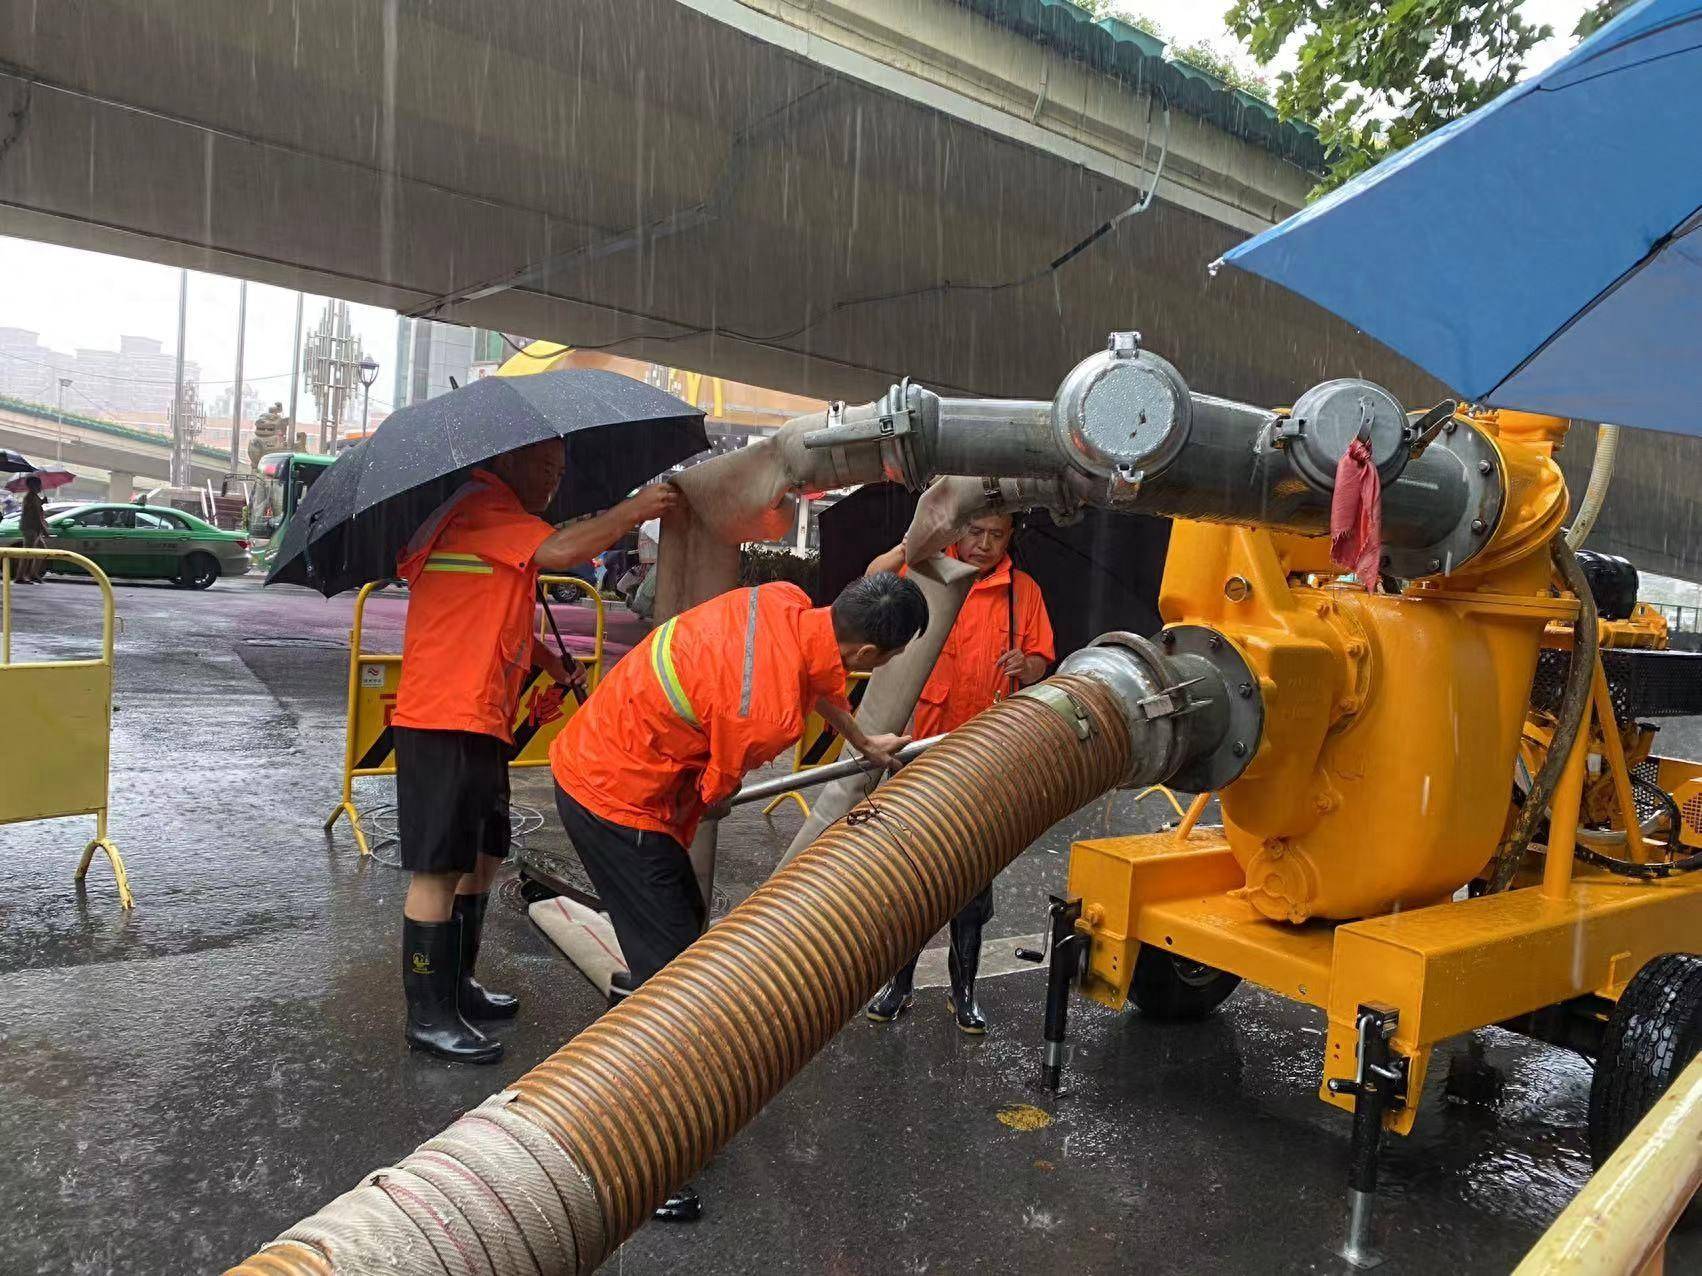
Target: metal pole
{"x":366,"y":410}
{"x":236,"y":396}
{"x":765,"y":789}
{"x":179,"y":427}
{"x":295,"y":371}
{"x":59,"y":443}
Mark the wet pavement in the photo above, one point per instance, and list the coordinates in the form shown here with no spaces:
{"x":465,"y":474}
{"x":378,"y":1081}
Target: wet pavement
{"x":180,"y":1083}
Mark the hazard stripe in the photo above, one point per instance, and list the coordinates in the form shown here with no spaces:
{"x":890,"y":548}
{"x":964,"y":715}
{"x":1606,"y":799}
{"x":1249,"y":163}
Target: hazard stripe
{"x":823,"y":744}
{"x":378,"y":752}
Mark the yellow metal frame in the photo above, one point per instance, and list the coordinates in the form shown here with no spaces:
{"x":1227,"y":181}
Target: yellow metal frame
{"x":1447,"y":968}
{"x":814,"y":728}
{"x":82,"y":786}
{"x":1618,"y":1225}
{"x":358,"y":656}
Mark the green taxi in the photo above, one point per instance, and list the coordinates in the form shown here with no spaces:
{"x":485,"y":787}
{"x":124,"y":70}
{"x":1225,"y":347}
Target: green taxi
{"x":140,"y":542}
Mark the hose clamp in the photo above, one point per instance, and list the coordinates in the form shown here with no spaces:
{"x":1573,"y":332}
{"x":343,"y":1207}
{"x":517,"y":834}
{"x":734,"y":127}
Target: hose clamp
{"x":1061,"y":703}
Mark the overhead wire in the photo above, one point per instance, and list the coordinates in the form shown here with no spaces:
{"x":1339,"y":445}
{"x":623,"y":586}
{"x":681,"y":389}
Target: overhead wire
{"x":940,"y":288}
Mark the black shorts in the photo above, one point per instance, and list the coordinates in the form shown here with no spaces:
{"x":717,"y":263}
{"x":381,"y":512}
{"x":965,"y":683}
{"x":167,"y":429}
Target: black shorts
{"x":451,"y":798}
{"x":645,"y":883}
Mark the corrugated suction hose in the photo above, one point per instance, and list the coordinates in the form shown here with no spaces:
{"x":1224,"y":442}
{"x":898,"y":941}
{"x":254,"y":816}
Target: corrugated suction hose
{"x":553,"y":1174}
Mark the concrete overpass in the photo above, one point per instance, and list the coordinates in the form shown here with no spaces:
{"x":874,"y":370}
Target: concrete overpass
{"x":810,"y":194}
{"x":130,"y":456}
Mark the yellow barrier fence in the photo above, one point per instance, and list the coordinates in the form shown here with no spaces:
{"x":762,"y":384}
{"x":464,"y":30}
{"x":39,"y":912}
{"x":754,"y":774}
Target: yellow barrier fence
{"x":368,"y":744}
{"x":56,"y":750}
{"x":1618,"y":1225}
{"x":820,"y":744}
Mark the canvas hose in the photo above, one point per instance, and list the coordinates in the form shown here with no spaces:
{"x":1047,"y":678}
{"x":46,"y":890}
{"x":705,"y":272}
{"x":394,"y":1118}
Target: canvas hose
{"x":553,"y":1174}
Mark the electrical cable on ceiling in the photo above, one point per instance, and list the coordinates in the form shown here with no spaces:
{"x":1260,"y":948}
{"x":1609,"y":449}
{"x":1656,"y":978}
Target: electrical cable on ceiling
{"x":1050,"y":269}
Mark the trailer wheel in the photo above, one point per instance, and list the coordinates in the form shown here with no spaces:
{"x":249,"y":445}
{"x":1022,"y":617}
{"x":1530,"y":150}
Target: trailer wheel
{"x":1652,"y":1035}
{"x":1172,"y":989}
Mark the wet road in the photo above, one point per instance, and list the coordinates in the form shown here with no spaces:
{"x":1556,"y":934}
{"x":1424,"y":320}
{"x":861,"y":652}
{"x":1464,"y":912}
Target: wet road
{"x":179,"y":1084}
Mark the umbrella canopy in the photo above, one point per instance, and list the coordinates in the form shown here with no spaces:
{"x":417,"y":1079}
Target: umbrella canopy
{"x":13,"y":462}
{"x":361,"y":512}
{"x":52,"y":477}
{"x":1544,"y":252}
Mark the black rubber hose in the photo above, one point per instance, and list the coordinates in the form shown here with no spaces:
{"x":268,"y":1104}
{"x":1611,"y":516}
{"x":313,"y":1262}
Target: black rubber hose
{"x":1574,"y":702}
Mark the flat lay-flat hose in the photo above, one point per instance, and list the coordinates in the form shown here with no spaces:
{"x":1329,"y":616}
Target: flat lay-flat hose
{"x":554,"y":1173}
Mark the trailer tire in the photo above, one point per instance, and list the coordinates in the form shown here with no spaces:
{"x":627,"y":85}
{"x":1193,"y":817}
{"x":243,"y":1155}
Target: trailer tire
{"x":1654,"y":1032}
{"x":1172,"y":990}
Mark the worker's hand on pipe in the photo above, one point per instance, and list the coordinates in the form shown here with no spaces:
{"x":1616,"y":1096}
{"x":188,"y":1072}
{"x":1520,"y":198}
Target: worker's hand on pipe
{"x":651,"y":502}
{"x":890,"y":561}
{"x":1024,"y":668}
{"x":883,"y":749}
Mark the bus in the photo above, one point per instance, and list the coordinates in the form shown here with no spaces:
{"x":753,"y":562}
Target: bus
{"x":283,"y":480}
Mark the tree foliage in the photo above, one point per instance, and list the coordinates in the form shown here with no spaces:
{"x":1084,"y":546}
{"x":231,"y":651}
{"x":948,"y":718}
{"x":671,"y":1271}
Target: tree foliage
{"x":1376,"y":75}
{"x":1201,"y":53}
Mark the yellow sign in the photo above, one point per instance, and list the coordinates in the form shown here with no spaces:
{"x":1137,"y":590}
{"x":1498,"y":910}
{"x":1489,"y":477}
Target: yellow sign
{"x":55,"y":750}
{"x":370,"y":746}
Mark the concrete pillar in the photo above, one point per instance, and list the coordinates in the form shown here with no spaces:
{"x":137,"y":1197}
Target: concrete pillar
{"x":120,"y":486}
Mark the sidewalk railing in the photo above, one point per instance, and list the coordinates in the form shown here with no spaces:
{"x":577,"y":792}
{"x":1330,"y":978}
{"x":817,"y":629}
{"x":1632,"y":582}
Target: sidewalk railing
{"x":368,"y":742}
{"x":56,"y":751}
{"x":1618,"y":1225}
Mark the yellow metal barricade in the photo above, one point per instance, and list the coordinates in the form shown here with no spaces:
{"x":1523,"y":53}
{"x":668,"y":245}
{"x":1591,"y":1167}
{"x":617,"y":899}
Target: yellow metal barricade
{"x":820,"y":743}
{"x":368,"y":744}
{"x":56,"y":750}
{"x":1618,"y":1225}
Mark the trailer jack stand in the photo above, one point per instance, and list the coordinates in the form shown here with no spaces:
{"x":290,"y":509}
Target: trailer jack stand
{"x":1068,"y":951}
{"x":1379,"y":1086}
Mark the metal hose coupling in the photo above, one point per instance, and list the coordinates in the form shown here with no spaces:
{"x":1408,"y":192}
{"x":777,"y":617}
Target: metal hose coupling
{"x":554,"y":1173}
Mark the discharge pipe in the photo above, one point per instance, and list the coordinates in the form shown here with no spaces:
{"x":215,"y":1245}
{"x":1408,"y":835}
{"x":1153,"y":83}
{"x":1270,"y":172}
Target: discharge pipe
{"x":553,"y":1173}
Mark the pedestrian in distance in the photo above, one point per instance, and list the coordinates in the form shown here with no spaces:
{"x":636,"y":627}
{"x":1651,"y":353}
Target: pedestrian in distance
{"x":32,"y":527}
{"x":1002,"y":641}
{"x":668,"y":736}
{"x":472,"y":572}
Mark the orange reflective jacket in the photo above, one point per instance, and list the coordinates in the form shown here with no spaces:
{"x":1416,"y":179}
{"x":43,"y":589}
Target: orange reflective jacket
{"x":705,"y":698}
{"x":966,"y":679}
{"x":467,"y":643}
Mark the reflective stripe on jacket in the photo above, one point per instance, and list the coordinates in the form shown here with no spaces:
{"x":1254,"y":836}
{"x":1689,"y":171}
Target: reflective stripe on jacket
{"x":467,"y":644}
{"x":708,"y":696}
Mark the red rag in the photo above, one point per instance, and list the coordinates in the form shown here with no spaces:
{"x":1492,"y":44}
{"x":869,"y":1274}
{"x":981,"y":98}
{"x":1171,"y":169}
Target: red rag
{"x":1356,"y":516}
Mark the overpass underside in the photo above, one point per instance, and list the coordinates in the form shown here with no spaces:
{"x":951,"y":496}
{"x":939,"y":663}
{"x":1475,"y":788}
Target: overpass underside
{"x":769,"y":191}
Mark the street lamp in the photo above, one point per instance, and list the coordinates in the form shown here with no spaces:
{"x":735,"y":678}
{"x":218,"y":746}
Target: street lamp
{"x":59,"y":448}
{"x":368,"y":374}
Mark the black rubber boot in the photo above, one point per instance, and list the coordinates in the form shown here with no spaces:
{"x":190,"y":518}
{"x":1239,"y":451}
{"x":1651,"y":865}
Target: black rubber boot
{"x":431,"y":970}
{"x":682,"y":1207}
{"x":475,"y":1000}
{"x":893,"y":1000}
{"x":962,"y":961}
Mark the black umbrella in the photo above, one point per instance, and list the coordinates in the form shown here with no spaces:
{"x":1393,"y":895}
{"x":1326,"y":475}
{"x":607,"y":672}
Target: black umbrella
{"x":12,"y":462}
{"x":360,"y":513}
{"x":1098,"y":574}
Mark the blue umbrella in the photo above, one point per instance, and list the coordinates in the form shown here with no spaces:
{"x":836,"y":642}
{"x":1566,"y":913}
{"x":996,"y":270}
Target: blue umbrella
{"x":1544,"y":252}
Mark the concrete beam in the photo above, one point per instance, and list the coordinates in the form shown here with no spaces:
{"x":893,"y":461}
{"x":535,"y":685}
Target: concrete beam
{"x":820,"y":198}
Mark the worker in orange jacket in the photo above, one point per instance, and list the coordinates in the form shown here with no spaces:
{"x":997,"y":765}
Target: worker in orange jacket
{"x":1002,"y":640}
{"x":472,"y":572}
{"x":670,"y":732}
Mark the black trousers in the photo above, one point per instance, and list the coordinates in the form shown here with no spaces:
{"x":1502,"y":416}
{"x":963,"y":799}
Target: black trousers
{"x":645,"y":883}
